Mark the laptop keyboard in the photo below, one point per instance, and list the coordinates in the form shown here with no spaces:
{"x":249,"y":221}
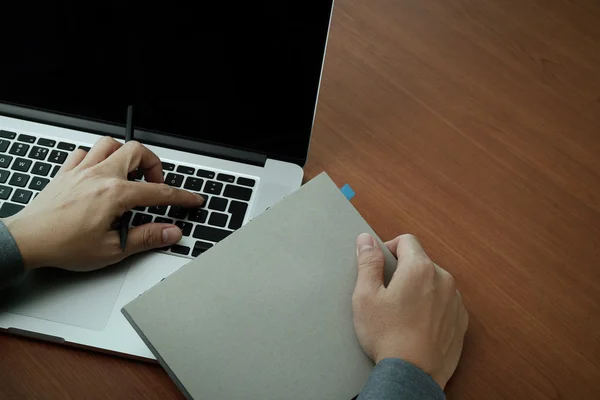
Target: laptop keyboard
{"x":28,"y":163}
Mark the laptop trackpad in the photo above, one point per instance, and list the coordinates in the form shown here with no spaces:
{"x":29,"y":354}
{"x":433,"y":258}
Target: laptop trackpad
{"x":80,"y":299}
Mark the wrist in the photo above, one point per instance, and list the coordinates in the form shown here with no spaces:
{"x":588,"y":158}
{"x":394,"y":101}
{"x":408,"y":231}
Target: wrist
{"x":26,"y":242}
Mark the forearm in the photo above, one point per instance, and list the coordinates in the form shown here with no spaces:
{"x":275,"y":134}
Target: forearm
{"x":11,"y":262}
{"x":395,"y":379}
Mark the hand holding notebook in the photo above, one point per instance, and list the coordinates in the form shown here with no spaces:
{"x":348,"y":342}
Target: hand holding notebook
{"x":267,"y":313}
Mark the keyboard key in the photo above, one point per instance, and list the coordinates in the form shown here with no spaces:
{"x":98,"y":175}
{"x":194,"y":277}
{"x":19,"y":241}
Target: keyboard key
{"x":226,"y":178}
{"x":180,"y":249}
{"x":8,"y":210}
{"x":3,"y":175}
{"x":205,"y":174}
{"x":38,"y":183}
{"x":158,"y":210}
{"x":5,"y":192}
{"x":186,"y":170}
{"x":46,"y":142}
{"x":212,"y":187}
{"x":200,"y":247}
{"x":186,"y":227}
{"x":161,"y":220}
{"x":246,"y":182}
{"x":217,"y":219}
{"x":26,"y":138}
{"x":85,"y":148}
{"x":194,"y":184}
{"x":174,"y":180}
{"x":237,"y":192}
{"x":198,"y":215}
{"x":38,"y":153}
{"x":168,"y":166}
{"x":57,"y":157}
{"x":55,"y":171}
{"x":141,"y":219}
{"x":237,"y":209}
{"x":19,"y":149}
{"x":177,"y":212}
{"x":218,"y":203}
{"x":19,"y":180}
{"x":22,"y":165}
{"x":5,"y":161}
{"x":7,"y":134}
{"x":21,"y":196}
{"x":40,"y":168}
{"x":139,"y":208}
{"x":211,"y":234}
{"x":66,"y":146}
{"x":3,"y":145}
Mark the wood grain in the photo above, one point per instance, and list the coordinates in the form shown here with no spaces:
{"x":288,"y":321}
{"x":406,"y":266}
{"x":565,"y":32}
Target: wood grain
{"x":474,"y":124}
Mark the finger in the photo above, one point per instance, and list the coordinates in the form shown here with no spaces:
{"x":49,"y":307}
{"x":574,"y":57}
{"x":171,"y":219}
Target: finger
{"x":101,"y":151}
{"x":145,"y":194}
{"x":409,"y":248}
{"x":370,"y":265}
{"x":134,"y":155}
{"x":151,"y":236}
{"x":392,"y":246}
{"x":74,"y":159}
{"x":410,"y":253}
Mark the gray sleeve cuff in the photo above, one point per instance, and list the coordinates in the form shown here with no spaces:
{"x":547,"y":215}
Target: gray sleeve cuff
{"x":11,"y":262}
{"x":393,"y":378}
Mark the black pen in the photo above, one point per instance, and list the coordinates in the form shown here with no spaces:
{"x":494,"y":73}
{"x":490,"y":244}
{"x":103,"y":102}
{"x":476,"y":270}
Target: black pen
{"x":124,"y":225}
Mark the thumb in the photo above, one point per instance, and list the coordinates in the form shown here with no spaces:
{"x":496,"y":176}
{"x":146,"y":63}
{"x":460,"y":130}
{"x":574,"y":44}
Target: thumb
{"x":151,"y":236}
{"x":370,"y":264}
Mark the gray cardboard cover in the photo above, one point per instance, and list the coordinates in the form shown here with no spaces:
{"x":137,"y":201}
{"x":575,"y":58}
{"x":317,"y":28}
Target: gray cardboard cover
{"x":266,"y":313}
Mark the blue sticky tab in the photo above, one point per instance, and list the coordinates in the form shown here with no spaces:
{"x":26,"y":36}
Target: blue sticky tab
{"x":348,"y":192}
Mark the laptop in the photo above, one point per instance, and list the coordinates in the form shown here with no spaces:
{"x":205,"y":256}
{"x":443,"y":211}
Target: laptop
{"x":224,"y":93}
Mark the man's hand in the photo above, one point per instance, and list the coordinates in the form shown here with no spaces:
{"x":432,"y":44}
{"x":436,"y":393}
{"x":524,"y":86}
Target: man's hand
{"x":71,"y":223}
{"x":419,"y":317}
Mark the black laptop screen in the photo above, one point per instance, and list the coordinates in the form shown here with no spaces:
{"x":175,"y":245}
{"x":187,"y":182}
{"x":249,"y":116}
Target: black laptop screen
{"x":239,"y":73}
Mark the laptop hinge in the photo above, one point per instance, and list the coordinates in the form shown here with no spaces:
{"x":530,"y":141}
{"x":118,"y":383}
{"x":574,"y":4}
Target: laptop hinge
{"x":153,"y":138}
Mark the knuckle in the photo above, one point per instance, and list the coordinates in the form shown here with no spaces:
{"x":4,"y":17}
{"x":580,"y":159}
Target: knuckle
{"x":90,"y":173}
{"x":408,"y":236}
{"x":165,"y":190}
{"x":135,"y":146}
{"x":148,"y":238}
{"x":105,"y":140}
{"x":78,"y":153}
{"x":114,"y":187}
{"x":423,"y":267}
{"x":425,"y":264}
{"x":369,"y":259}
{"x":450,"y":283}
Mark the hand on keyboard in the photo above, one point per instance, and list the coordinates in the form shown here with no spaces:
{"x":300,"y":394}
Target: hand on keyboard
{"x":70,"y":224}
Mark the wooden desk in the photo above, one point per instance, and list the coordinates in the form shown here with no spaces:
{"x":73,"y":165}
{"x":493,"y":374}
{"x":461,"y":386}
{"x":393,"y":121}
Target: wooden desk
{"x":476,"y":126}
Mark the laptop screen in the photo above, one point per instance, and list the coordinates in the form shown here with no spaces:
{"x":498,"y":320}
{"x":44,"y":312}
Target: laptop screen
{"x":239,"y":73}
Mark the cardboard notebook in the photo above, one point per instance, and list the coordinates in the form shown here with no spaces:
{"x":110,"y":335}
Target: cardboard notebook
{"x":266,"y":313}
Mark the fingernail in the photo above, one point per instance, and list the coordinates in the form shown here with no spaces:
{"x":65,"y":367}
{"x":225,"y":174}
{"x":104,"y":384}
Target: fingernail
{"x":200,"y":198}
{"x":171,"y":235}
{"x":364,"y":241}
